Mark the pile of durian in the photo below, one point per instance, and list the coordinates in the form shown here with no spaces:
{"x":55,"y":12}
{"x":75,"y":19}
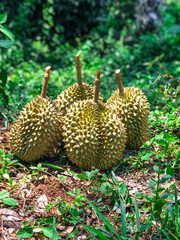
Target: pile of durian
{"x":94,"y":133}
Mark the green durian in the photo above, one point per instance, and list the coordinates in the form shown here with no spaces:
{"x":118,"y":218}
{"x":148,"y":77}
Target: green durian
{"x":38,"y":127}
{"x":94,"y":137}
{"x":132,"y":107}
{"x":76,"y":92}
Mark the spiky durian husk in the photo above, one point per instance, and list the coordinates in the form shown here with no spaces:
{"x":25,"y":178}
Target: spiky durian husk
{"x":36,"y":131}
{"x":94,"y":137}
{"x":73,"y":94}
{"x":132,"y":108}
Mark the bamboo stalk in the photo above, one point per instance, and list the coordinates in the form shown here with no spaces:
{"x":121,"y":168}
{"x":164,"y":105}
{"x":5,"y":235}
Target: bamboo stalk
{"x":78,"y":68}
{"x":119,"y":82}
{"x":45,"y":83}
{"x":97,"y":86}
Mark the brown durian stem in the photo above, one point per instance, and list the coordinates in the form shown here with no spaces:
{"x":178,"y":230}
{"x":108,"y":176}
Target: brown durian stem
{"x":45,"y":83}
{"x":78,"y":68}
{"x":119,"y":82}
{"x":97,"y":86}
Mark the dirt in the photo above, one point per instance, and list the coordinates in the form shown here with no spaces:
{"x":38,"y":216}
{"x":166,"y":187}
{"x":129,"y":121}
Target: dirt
{"x":35,"y":192}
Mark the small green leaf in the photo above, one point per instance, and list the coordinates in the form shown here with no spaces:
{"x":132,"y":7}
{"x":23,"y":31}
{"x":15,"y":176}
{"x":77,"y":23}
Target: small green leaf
{"x":169,"y":138}
{"x":48,"y":221}
{"x":6,"y":43}
{"x":103,"y":189}
{"x":6,"y":176}
{"x":145,"y":226}
{"x":3,"y":18}
{"x":156,"y":168}
{"x":8,"y":33}
{"x":10,"y":201}
{"x":114,"y":178}
{"x":152,"y":186}
{"x":165,"y":178}
{"x":158,"y":206}
{"x":161,"y":142}
{"x":147,"y":156}
{"x":92,"y":174}
{"x":122,"y":189}
{"x":170,"y":171}
{"x":62,"y":209}
{"x":75,"y":212}
{"x":81,"y":176}
{"x":71,"y":193}
{"x":25,"y":232}
{"x":178,"y":156}
{"x":4,"y":194}
{"x":48,"y":232}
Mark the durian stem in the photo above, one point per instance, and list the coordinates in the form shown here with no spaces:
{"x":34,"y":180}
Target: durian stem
{"x":45,"y":83}
{"x":119,"y":82}
{"x":78,"y":68}
{"x":97,"y":86}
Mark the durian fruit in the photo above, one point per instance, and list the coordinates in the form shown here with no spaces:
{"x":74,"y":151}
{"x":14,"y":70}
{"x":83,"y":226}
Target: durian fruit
{"x":132,"y":107}
{"x":93,"y":135}
{"x":35,"y":133}
{"x":76,"y":92}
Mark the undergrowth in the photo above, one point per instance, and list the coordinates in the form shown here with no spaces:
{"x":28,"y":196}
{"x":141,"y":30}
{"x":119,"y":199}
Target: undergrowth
{"x":154,"y":215}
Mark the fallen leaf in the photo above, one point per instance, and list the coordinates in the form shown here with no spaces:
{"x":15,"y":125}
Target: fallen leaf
{"x":69,"y":229}
{"x":9,"y":218}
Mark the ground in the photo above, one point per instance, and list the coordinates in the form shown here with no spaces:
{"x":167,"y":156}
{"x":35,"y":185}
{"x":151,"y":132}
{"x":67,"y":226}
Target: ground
{"x":34,"y":190}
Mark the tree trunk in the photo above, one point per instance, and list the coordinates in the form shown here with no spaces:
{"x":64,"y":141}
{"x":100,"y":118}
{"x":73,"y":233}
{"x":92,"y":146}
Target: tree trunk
{"x":149,"y":15}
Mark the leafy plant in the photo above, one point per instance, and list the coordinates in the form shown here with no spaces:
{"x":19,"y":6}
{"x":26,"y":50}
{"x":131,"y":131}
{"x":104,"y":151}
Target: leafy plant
{"x":4,"y":44}
{"x":4,"y":197}
{"x":40,"y":228}
{"x":6,"y":32}
{"x":79,"y":197}
{"x":6,"y":162}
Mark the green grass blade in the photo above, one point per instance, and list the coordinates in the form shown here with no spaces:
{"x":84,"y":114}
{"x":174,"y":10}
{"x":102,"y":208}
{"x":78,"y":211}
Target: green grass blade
{"x":95,"y":232}
{"x":176,"y":201}
{"x":165,"y":221}
{"x":137,"y":215}
{"x":166,"y":234}
{"x":106,"y":222}
{"x":51,"y":165}
{"x":123,"y":219}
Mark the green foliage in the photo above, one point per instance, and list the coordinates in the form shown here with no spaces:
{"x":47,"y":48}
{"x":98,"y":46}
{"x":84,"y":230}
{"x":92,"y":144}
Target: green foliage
{"x":39,"y":227}
{"x":79,"y":197}
{"x":6,"y":32}
{"x":4,"y":44}
{"x":4,"y":197}
{"x":148,"y":61}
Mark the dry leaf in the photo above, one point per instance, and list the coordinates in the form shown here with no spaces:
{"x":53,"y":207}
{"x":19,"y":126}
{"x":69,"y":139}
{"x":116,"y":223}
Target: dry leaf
{"x":69,"y":229}
{"x":9,"y":218}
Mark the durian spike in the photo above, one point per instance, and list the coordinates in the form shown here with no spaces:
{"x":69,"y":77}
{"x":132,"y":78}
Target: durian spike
{"x":78,"y":68}
{"x":119,"y":82}
{"x":45,"y":83}
{"x":97,"y":86}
